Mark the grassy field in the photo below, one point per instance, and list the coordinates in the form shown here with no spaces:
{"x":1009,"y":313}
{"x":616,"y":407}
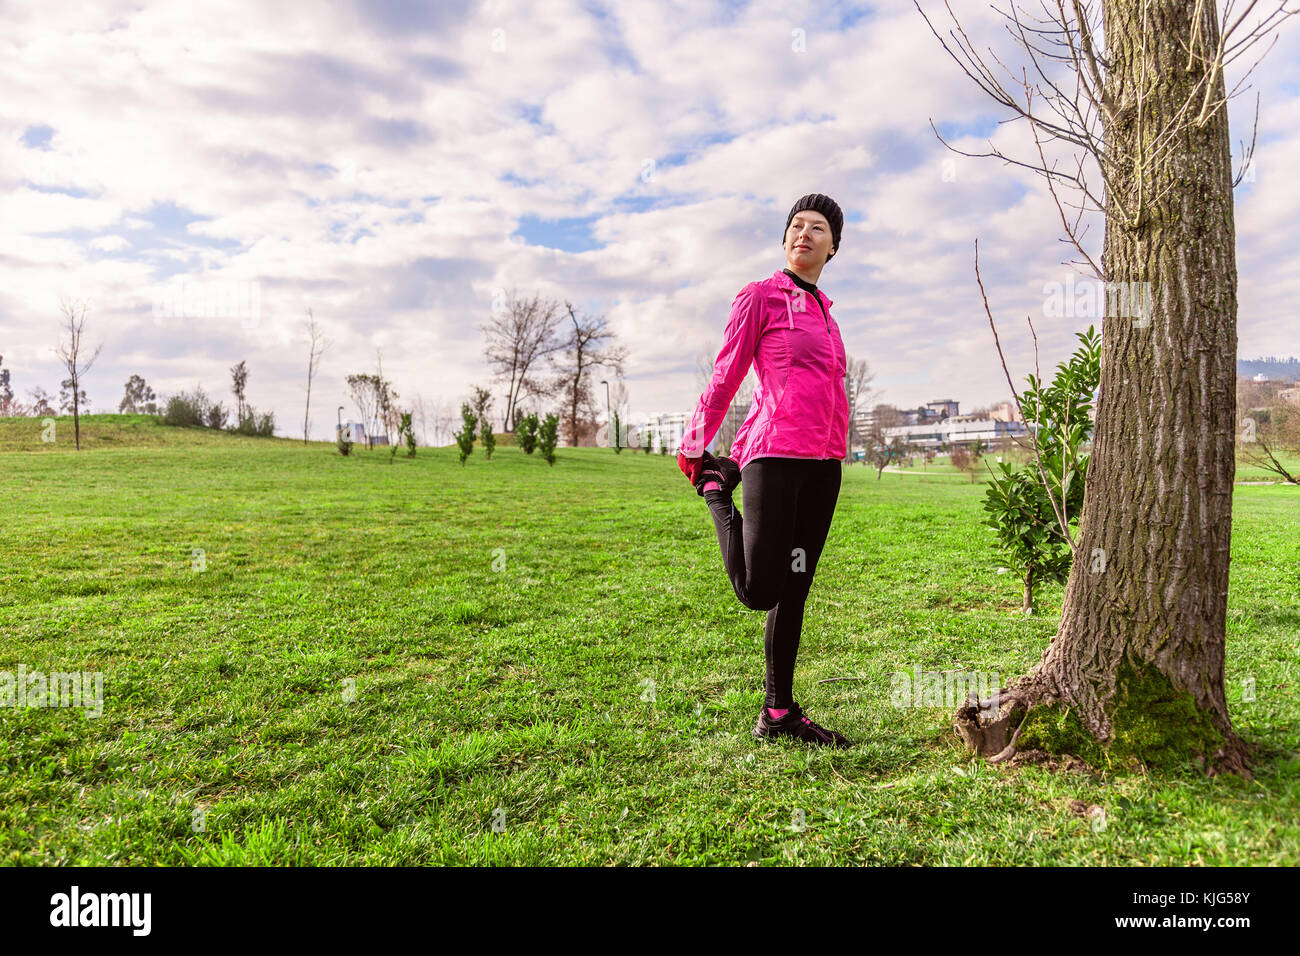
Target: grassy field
{"x":312,"y":659}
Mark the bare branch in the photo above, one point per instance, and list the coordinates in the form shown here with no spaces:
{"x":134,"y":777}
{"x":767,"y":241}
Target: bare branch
{"x":1038,"y":457}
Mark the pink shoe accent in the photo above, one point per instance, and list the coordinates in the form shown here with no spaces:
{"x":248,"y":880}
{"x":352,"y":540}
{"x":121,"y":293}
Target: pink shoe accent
{"x":817,"y":730}
{"x":778,"y":712}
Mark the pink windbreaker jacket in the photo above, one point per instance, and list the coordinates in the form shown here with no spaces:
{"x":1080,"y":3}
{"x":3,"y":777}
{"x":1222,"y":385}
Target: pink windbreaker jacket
{"x":800,"y":407}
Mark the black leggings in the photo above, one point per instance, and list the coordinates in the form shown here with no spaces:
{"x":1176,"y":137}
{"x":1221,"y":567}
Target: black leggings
{"x":772,"y":553}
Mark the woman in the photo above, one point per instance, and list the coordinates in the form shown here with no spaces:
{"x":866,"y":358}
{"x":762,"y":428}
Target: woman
{"x":786,"y":455}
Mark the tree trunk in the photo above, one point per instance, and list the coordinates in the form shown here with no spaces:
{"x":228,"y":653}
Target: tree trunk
{"x":1137,"y":666}
{"x":306,"y":415}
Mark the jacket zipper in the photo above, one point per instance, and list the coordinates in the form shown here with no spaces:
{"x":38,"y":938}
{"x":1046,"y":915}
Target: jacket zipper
{"x":826,"y":445}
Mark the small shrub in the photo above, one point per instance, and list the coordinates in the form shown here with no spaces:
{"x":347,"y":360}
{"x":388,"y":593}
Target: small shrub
{"x":406,"y":436}
{"x":258,"y":426}
{"x":186,"y":409}
{"x":465,"y":437}
{"x":1017,"y":505}
{"x":409,"y":432}
{"x":548,"y":434}
{"x":526,"y":432}
{"x":215,"y":415}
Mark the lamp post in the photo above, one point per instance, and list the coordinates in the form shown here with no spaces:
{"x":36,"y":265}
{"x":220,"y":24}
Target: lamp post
{"x":339,"y":434}
{"x":733,"y":426}
{"x":608,"y":417}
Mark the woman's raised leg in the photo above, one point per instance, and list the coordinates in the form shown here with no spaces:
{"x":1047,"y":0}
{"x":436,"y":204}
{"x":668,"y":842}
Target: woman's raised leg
{"x":756,"y":546}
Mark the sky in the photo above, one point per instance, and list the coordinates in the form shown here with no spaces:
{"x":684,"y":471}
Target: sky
{"x":202,"y":174}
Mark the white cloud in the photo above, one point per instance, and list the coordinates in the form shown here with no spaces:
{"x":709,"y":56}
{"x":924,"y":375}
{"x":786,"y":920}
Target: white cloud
{"x":109,"y":243}
{"x":354,"y":162}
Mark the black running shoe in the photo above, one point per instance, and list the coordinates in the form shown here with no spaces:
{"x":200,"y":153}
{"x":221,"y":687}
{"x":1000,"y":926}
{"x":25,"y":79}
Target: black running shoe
{"x":795,"y":724}
{"x":722,"y":470}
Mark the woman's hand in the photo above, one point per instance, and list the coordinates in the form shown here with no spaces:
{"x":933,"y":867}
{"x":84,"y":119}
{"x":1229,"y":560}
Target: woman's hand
{"x":690,"y":466}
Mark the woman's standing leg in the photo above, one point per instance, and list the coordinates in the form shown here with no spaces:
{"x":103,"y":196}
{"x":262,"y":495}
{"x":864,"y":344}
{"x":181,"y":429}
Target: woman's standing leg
{"x":813,"y":506}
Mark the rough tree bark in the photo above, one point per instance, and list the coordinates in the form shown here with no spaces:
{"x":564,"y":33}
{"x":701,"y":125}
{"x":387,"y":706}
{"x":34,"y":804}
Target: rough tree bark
{"x":1137,"y":666}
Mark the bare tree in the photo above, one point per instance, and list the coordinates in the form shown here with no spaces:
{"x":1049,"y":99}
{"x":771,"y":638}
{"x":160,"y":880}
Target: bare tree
{"x":420,"y":418}
{"x":962,"y":458}
{"x":881,"y":449}
{"x":42,"y":403}
{"x":69,"y":397}
{"x":740,"y":405}
{"x":520,"y":333}
{"x":857,"y":377}
{"x":1273,"y":441}
{"x":71,"y":353}
{"x":1136,"y":89}
{"x":1269,"y":431}
{"x":7,"y":404}
{"x":444,"y":416}
{"x":319,"y":343}
{"x":387,"y":414}
{"x":618,"y":400}
{"x":587,"y":345}
{"x":239,"y":384}
{"x":365,"y":389}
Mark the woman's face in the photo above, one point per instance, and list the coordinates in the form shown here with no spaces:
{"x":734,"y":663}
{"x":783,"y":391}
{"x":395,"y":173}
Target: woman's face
{"x":808,"y":240}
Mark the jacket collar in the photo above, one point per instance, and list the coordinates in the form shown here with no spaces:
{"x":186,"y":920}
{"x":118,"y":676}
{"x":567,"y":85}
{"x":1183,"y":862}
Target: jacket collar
{"x":785,"y":282}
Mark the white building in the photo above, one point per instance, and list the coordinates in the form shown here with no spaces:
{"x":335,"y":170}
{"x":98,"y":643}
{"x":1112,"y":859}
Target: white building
{"x":962,"y":430}
{"x":665,"y":431}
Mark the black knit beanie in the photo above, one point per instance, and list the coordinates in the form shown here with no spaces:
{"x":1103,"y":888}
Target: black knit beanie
{"x":828,"y":208}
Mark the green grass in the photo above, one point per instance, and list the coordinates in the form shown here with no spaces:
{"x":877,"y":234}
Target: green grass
{"x":379,"y":661}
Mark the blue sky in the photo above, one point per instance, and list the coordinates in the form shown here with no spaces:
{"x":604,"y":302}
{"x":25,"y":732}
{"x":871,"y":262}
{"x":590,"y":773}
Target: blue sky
{"x":394,"y":166}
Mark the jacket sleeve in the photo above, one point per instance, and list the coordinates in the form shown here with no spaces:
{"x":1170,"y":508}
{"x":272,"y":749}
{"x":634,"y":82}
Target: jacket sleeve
{"x":739,"y":341}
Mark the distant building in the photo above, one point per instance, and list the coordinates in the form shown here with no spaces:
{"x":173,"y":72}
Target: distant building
{"x":666,"y":431}
{"x":919,"y":436}
{"x":961,"y":430}
{"x":942,"y":408}
{"x":1260,"y":379}
{"x":1005,"y":412}
{"x":1289,"y":395}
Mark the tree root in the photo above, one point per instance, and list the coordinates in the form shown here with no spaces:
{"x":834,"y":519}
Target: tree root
{"x":1009,"y":750}
{"x":990,"y":727}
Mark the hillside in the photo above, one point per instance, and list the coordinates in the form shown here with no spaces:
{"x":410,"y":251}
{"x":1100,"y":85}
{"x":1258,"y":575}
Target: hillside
{"x":116,"y":431}
{"x":1278,"y":370}
{"x":139,"y":431}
